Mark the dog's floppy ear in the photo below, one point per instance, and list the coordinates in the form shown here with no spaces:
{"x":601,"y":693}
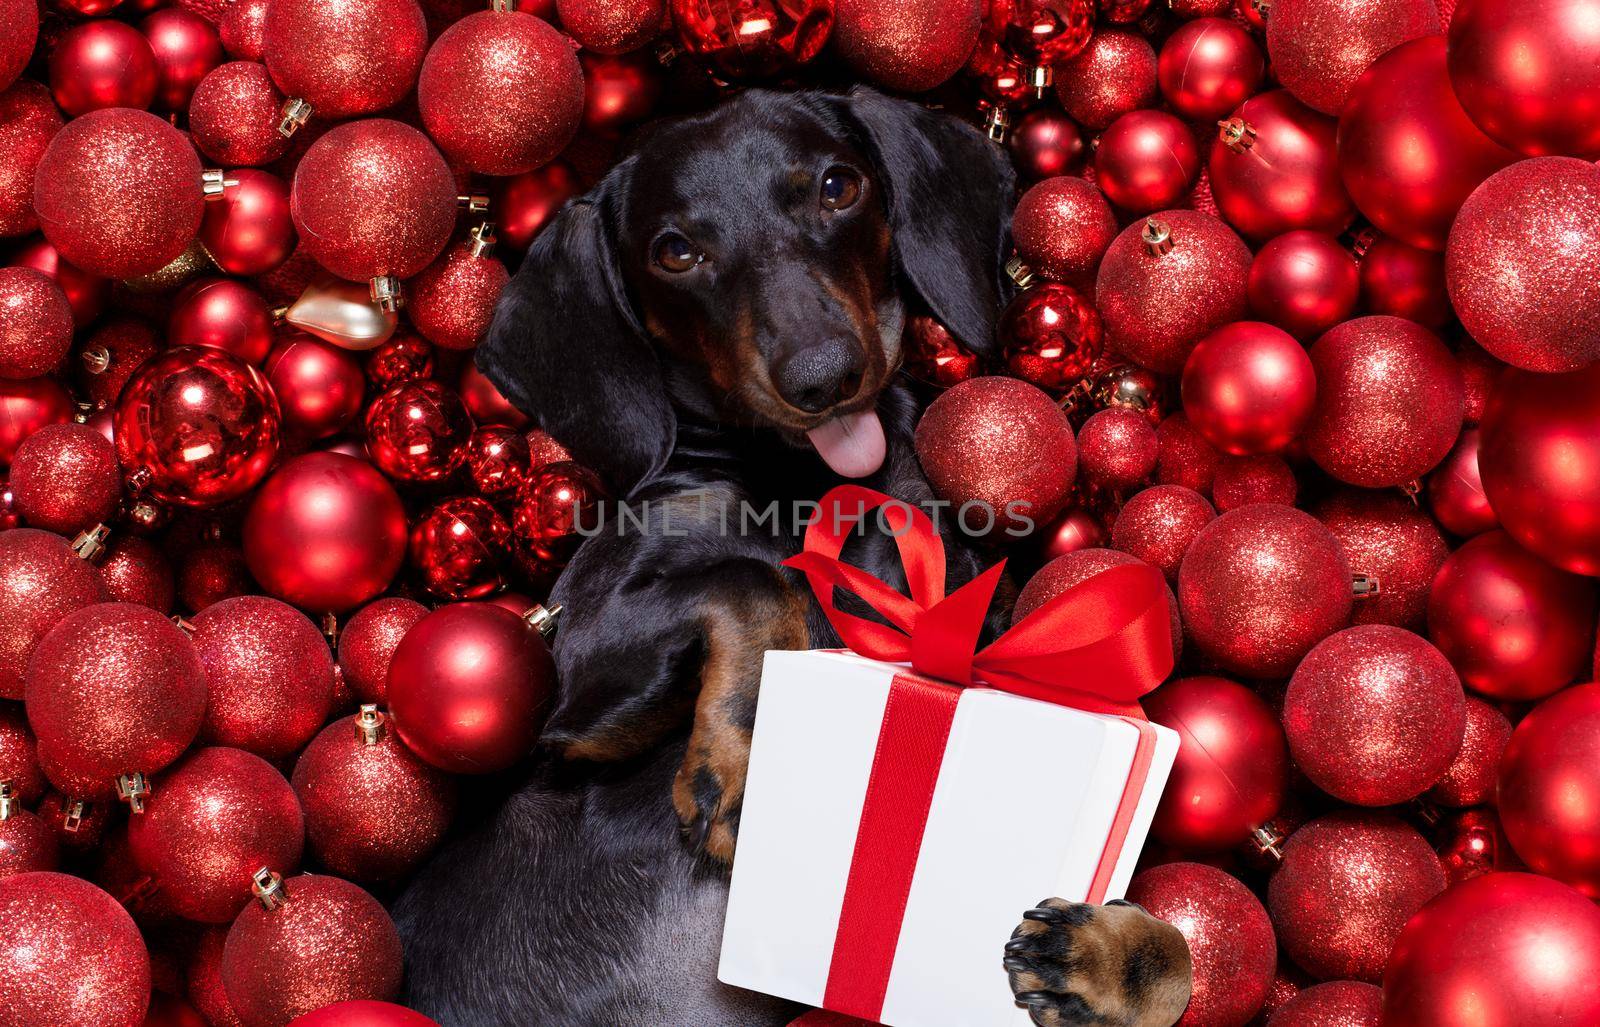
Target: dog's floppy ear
{"x":567,"y":348}
{"x":949,"y":201}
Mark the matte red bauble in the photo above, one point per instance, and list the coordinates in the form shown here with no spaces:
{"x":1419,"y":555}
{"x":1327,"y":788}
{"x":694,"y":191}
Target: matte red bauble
{"x":373,"y":198}
{"x":27,"y":406}
{"x":65,"y":478}
{"x":1404,"y":281}
{"x":1331,"y":1004}
{"x":1512,"y":948}
{"x":1114,"y":74}
{"x":1304,"y":282}
{"x":1050,"y":336}
{"x":115,"y":689}
{"x":210,"y":824}
{"x":1347,"y":884}
{"x":1158,"y":524}
{"x":1471,"y":778}
{"x":326,"y":533}
{"x":319,"y":386}
{"x":1166,"y":282}
{"x":619,"y":91}
{"x":1319,"y":48}
{"x":1232,"y":763}
{"x":136,"y":571}
{"x":373,"y":810}
{"x":233,"y":115}
{"x":1374,"y":715}
{"x":935,"y":357}
{"x":364,"y":1013}
{"x":1407,"y":152}
{"x":86,"y":293}
{"x":1230,"y":938}
{"x":41,"y":581}
{"x":345,"y":57}
{"x":1146,"y":161}
{"x":325,"y":941}
{"x":1260,"y":585}
{"x":612,"y":26}
{"x":452,"y":301}
{"x":1513,"y":626}
{"x":531,"y":71}
{"x":1062,"y":227}
{"x":1249,"y":388}
{"x":247,"y":230}
{"x":28,"y":121}
{"x":224,"y":314}
{"x":524,"y":203}
{"x":468,"y":687}
{"x":1388,"y":540}
{"x":368,"y":642}
{"x":186,"y":48}
{"x":19,"y":760}
{"x":102,"y":63}
{"x":1549,"y":778}
{"x":1208,"y":67}
{"x":1117,"y":449}
{"x":16,"y":46}
{"x":416,"y":431}
{"x":1043,"y":143}
{"x":1455,"y":491}
{"x":766,"y":39}
{"x":118,"y":193}
{"x":35,"y":323}
{"x":1274,"y":168}
{"x":69,"y":955}
{"x":461,"y":547}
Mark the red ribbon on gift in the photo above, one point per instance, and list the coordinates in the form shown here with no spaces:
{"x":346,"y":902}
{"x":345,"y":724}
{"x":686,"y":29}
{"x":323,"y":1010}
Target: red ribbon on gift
{"x":1098,"y":647}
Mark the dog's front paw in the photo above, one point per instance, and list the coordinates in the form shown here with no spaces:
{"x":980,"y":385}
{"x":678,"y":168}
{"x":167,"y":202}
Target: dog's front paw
{"x":1073,"y":963}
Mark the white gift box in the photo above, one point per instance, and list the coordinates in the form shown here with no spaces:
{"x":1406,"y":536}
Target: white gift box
{"x":1025,"y":807}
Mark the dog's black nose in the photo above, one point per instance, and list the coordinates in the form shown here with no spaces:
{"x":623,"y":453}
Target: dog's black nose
{"x":817,"y":376}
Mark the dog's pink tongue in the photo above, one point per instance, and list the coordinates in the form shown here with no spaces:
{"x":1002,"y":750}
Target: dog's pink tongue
{"x":851,"y":444}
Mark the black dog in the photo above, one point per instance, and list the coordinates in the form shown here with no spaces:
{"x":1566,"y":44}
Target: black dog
{"x":718,"y":323}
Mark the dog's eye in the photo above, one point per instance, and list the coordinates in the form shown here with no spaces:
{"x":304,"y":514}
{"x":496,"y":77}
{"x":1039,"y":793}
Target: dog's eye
{"x":676,"y":254}
{"x":841,"y":188}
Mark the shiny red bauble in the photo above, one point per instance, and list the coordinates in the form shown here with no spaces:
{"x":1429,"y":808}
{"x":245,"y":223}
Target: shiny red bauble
{"x":404,"y":357}
{"x":344,"y":57}
{"x":1472,"y":776}
{"x":461,"y":547}
{"x":209,"y":824}
{"x":186,"y":48}
{"x":1159,"y":522}
{"x":766,"y":39}
{"x":1208,"y":67}
{"x":102,"y":63}
{"x":552,"y":502}
{"x":118,"y":192}
{"x":1146,"y":161}
{"x":1304,"y":282}
{"x":497,"y":460}
{"x":416,"y":431}
{"x":234,"y":114}
{"x":35,"y":323}
{"x":523,"y":204}
{"x":529,"y":67}
{"x":1062,"y":227}
{"x":65,"y":478}
{"x":1260,"y":585}
{"x":41,"y":581}
{"x":619,"y":91}
{"x":247,"y":230}
{"x":1274,"y":168}
{"x":468,"y":687}
{"x":225,"y":314}
{"x":1549,"y":778}
{"x":1050,"y":336}
{"x":485,"y":402}
{"x":1043,"y":143}
{"x":1404,"y":281}
{"x":935,"y":357}
{"x":1407,"y":153}
{"x":28,"y":121}
{"x":1114,"y":74}
{"x":1455,"y":491}
{"x":1319,"y":48}
{"x":1232,"y":763}
{"x":452,"y":301}
{"x":70,"y":956}
{"x":1249,"y":388}
{"x":1040,"y":33}
{"x":1389,"y":401}
{"x":1388,"y":540}
{"x":1346,"y":886}
{"x":1374,"y":715}
{"x":1513,"y":948}
{"x":364,"y":1013}
{"x":319,"y":385}
{"x":325,"y":533}
{"x":1513,"y":626}
{"x":27,"y":406}
{"x":1539,"y":455}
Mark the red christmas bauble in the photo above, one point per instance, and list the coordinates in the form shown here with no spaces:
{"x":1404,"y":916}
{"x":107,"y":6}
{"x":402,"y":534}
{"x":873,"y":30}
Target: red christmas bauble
{"x":65,"y":478}
{"x":86,"y":293}
{"x":1514,"y":627}
{"x":1230,"y":938}
{"x":1470,"y":843}
{"x":935,"y":357}
{"x":1146,"y":161}
{"x":1262,"y":478}
{"x":1249,"y":388}
{"x":532,"y":72}
{"x":1184,"y":457}
{"x":1043,"y":144}
{"x":468,"y":686}
{"x":619,"y":91}
{"x":135,"y":571}
{"x":115,"y":689}
{"x":327,"y":942}
{"x":1404,"y":281}
{"x":1470,"y":779}
{"x":1061,"y":229}
{"x":16,"y":46}
{"x":1117,"y":449}
{"x":210,"y":573}
{"x":186,"y":48}
{"x":210,"y":824}
{"x":1319,"y":48}
{"x":319,"y":385}
{"x":908,"y":48}
{"x":1274,"y":168}
{"x":1042,"y":32}
{"x":996,"y":441}
{"x":1549,"y":778}
{"x":1260,"y":585}
{"x":417,"y":430}
{"x":1071,"y":567}
{"x":243,"y":29}
{"x":1304,"y":282}
{"x":118,"y":193}
{"x":363,"y":1013}
{"x":19,"y":760}
{"x":102,"y":63}
{"x":27,"y":844}
{"x":485,"y":402}
{"x":1073,"y":530}
{"x":1511,"y":948}
{"x":373,"y":198}
{"x":247,"y":230}
{"x":1166,"y":282}
{"x":203,"y":979}
{"x":1232,"y":763}
{"x":452,"y":301}
{"x":550,"y":505}
{"x":368,"y":642}
{"x":108,"y":358}
{"x":345,"y":57}
{"x":1111,"y":76}
{"x":1385,"y":537}
{"x":497,"y":460}
{"x":326,"y":532}
{"x":69,"y":955}
{"x":1050,"y":336}
{"x":1158,"y":523}
{"x":1479,"y":372}
{"x":523,"y":204}
{"x":233,"y":115}
{"x":404,"y":357}
{"x":41,"y":582}
{"x":225,"y":314}
{"x":1331,"y":1004}
{"x":373,"y":810}
{"x":1208,"y":67}
{"x":27,"y":406}
{"x":28,"y":121}
{"x":760,"y":39}
{"x":461,"y":548}
{"x":1455,"y":491}
{"x":35,"y":323}
{"x":1407,"y":152}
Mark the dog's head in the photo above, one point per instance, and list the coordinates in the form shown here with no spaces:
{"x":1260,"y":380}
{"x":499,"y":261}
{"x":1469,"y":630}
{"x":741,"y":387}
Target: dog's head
{"x":757,"y":256}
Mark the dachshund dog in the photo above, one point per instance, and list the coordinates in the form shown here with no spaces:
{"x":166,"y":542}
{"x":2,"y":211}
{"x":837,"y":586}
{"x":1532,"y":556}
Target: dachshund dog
{"x":715,"y":328}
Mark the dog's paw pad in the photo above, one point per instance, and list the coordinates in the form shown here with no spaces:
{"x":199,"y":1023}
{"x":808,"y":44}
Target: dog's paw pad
{"x":708,"y":808}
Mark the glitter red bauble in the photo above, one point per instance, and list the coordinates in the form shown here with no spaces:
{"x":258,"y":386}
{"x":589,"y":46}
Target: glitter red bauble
{"x":203,"y":979}
{"x":27,"y":406}
{"x":1050,"y":336}
{"x":1385,"y":536}
{"x":461,"y":548}
{"x":211,"y":823}
{"x":1117,"y":449}
{"x":1157,"y":302}
{"x":247,"y":230}
{"x":345,"y":57}
{"x":118,"y":193}
{"x":1549,"y":779}
{"x":523,"y":204}
{"x":242,"y":28}
{"x":1407,"y":153}
{"x":1071,"y":567}
{"x":1512,"y":948}
{"x":368,"y":642}
{"x":1208,"y":67}
{"x":1061,"y":229}
{"x":225,"y":314}
{"x":1332,"y":1004}
{"x":1260,"y":585}
{"x":1262,"y":478}
{"x":28,"y":121}
{"x":326,"y":532}
{"x":1282,"y":173}
{"x":1345,"y":888}
{"x":329,"y":942}
{"x":1249,"y":388}
{"x":998,"y":441}
{"x":1374,"y":715}
{"x":933,"y":356}
{"x":1513,"y":626}
{"x":69,"y":955}
{"x":102,"y":63}
{"x":35,"y":323}
{"x":1114,"y":74}
{"x":1146,"y":160}
{"x":1470,"y":779}
{"x":1389,"y":401}
{"x":1404,"y":281}
{"x":135,"y":571}
{"x":612,"y":26}
{"x":373,"y":198}
{"x":16,"y":45}
{"x":1479,"y":373}
{"x":65,"y":478}
{"x":528,"y":67}
{"x":115,"y":688}
{"x":1043,"y":143}
{"x":319,"y":385}
{"x":186,"y":47}
{"x":908,"y":48}
{"x":233,"y":115}
{"x":760,"y":39}
{"x":1185,"y":457}
{"x":210,"y":573}
{"x":1232,"y":764}
{"x":364,"y":1013}
{"x":1319,"y":48}
{"x":373,"y":810}
{"x":1158,"y":523}
{"x":1230,"y":938}
{"x":41,"y":581}
{"x":1455,"y":491}
{"x":1304,"y":282}
{"x":19,"y":761}
{"x":452,"y":301}
{"x":416,"y":431}
{"x":27,"y":844}
{"x":86,"y":293}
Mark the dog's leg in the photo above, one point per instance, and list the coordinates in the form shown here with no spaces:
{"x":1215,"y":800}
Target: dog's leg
{"x":1073,"y":963}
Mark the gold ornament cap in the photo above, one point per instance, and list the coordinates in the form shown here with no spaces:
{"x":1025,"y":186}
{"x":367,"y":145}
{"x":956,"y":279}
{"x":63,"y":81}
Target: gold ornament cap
{"x":542,"y":619}
{"x":268,"y":888}
{"x":1157,"y":237}
{"x":294,"y":113}
{"x":133,"y":789}
{"x":1236,"y":134}
{"x":371,"y":725}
